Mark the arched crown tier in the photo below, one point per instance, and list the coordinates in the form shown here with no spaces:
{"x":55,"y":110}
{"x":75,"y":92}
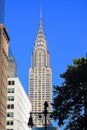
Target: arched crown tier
{"x":40,"y":39}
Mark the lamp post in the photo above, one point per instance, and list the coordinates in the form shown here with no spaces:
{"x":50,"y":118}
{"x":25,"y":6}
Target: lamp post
{"x":45,"y":113}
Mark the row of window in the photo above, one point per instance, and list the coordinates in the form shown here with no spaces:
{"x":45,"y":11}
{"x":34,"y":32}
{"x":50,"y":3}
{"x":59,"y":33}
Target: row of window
{"x":10,"y":122}
{"x":11,"y":82}
{"x":10,"y":98}
{"x":10,"y":114}
{"x":10,"y":90}
{"x":10,"y":106}
{"x":9,"y":129}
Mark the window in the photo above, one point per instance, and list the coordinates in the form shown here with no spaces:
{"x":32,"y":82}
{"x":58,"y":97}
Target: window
{"x":10,"y":123}
{"x":10,"y":90}
{"x":10,"y":98}
{"x":10,"y":106}
{"x":10,"y":114}
{"x":11,"y":82}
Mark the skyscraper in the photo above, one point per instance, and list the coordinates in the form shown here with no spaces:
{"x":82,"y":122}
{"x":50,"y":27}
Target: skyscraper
{"x":4,"y":39}
{"x":40,"y":77}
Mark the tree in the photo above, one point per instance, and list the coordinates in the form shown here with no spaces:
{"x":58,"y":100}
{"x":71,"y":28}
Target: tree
{"x":70,"y":99}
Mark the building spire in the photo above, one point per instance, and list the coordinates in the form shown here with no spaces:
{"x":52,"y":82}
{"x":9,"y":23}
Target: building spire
{"x":41,"y":11}
{"x":40,"y":31}
{"x":40,"y":38}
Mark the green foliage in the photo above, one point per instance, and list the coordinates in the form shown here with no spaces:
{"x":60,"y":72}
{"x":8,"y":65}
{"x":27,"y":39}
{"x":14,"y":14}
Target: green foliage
{"x":70,"y":99}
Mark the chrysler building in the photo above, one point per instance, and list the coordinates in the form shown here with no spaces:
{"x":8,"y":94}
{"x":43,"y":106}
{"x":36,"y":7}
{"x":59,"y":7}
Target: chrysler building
{"x":40,"y":77}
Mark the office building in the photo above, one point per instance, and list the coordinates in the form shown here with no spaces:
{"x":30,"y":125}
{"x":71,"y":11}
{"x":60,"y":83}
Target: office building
{"x":18,"y":106}
{"x":4,"y":39}
{"x":40,"y":78}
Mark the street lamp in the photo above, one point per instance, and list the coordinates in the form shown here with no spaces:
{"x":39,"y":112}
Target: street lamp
{"x":45,"y":113}
{"x":30,"y":123}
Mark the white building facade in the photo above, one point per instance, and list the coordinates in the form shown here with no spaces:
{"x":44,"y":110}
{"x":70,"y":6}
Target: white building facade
{"x":18,"y":106}
{"x":40,"y":77}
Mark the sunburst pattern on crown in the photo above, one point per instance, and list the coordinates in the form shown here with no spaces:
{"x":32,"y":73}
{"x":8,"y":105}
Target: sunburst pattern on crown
{"x":40,"y":39}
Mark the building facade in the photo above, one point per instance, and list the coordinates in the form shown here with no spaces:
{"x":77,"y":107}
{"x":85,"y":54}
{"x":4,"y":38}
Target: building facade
{"x":18,"y":106}
{"x":4,"y":39}
{"x":40,"y":77}
{"x":12,"y":67}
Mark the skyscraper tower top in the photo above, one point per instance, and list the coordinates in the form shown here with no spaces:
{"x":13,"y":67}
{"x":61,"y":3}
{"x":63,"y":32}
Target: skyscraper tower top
{"x":2,"y":11}
{"x":40,"y":39}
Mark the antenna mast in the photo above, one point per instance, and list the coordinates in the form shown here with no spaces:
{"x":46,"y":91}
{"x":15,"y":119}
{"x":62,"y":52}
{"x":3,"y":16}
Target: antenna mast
{"x":41,"y":11}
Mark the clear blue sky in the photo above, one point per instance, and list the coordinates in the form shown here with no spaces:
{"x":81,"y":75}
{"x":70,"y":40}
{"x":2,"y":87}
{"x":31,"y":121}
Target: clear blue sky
{"x":65,"y":28}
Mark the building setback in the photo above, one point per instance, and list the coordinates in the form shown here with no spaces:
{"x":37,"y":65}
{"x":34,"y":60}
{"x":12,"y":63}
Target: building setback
{"x":40,"y":77}
{"x":12,"y":67}
{"x":4,"y":39}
